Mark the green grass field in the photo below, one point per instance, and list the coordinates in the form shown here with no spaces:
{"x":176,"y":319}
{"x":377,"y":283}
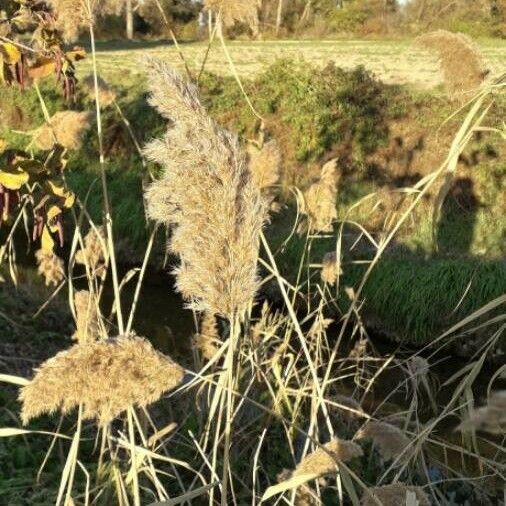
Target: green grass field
{"x":396,"y":62}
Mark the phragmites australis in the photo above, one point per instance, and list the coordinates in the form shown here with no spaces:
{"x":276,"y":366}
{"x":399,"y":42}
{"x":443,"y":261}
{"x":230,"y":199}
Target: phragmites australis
{"x":231,"y":11}
{"x":206,"y":194}
{"x":66,"y":128}
{"x":106,"y":95}
{"x":390,"y":441}
{"x":394,"y":495}
{"x":87,"y":319}
{"x":265,"y":164}
{"x":346,"y":408}
{"x":319,"y":203}
{"x":324,"y":459}
{"x":92,"y":254}
{"x":331,"y":268}
{"x":104,"y":377}
{"x":490,"y":418}
{"x":461,"y":61}
{"x":207,"y":341}
{"x":50,"y":266}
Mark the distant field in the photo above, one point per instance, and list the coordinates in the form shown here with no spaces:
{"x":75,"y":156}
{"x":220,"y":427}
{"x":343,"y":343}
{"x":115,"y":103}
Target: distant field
{"x":393,"y":61}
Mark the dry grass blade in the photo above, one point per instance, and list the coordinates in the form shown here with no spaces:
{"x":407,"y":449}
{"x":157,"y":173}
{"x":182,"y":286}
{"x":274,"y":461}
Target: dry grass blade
{"x":106,"y":377}
{"x":207,"y":195}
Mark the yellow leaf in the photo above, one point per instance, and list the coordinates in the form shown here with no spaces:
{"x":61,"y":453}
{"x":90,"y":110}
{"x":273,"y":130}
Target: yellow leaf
{"x":47,"y":242}
{"x":10,"y":53}
{"x":13,"y":181}
{"x":60,"y":191}
{"x":78,"y":53}
{"x":53,"y":212}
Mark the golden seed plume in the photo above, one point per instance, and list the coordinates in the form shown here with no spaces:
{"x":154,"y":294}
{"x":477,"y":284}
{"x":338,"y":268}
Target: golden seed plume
{"x":393,"y":495}
{"x":66,"y":128}
{"x":331,"y":268}
{"x":319,"y":203}
{"x":207,"y":341}
{"x":93,"y":252}
{"x":87,"y":319}
{"x":50,"y":266}
{"x":265,"y":164}
{"x":242,"y":11}
{"x":390,"y":441}
{"x":461,"y":61}
{"x":322,"y":462}
{"x":106,"y":95}
{"x":105,"y":377}
{"x":207,"y":196}
{"x":490,"y":418}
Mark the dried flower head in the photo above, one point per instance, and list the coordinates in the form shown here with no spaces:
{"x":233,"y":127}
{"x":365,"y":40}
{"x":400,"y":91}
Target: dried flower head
{"x":87,"y":319}
{"x":390,"y":441}
{"x":106,"y":95}
{"x":105,"y":377}
{"x":490,"y":418}
{"x":393,"y":495}
{"x":207,"y":341}
{"x":346,"y":407}
{"x":66,"y":128}
{"x":324,"y":460}
{"x":319,"y":203}
{"x":242,"y":11}
{"x":265,"y":164}
{"x":50,"y":266}
{"x":93,"y":252}
{"x":331,"y":268}
{"x":207,"y":196}
{"x":461,"y":61}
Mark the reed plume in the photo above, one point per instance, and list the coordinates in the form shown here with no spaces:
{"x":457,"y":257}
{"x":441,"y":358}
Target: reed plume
{"x":354,"y":412}
{"x":87,"y":319}
{"x":331,"y":268}
{"x":319,"y":204}
{"x":207,"y":196}
{"x":490,"y":418}
{"x":106,"y":96}
{"x":390,"y":441}
{"x":50,"y":266}
{"x":66,"y":128}
{"x":232,"y":11}
{"x":324,"y":460}
{"x":105,"y":377}
{"x":93,"y":252}
{"x":265,"y":164}
{"x":207,"y":341}
{"x":393,"y":495}
{"x":462,"y":64}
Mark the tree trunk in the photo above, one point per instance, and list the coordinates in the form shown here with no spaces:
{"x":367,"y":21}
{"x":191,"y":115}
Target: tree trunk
{"x":279,"y":16}
{"x":129,"y":20}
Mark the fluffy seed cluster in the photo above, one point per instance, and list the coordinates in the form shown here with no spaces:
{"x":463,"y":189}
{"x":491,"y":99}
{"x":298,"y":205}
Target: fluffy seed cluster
{"x":106,"y":95}
{"x":207,"y":196}
{"x":50,"y":266}
{"x":87,"y":319}
{"x":354,"y":412}
{"x":490,"y":418}
{"x":265,"y":164}
{"x":320,"y":200}
{"x":461,"y":61}
{"x":66,"y":128}
{"x":393,"y":495}
{"x":390,"y":441}
{"x":330,"y":268}
{"x":323,"y":460}
{"x":93,"y":252}
{"x":232,"y":11}
{"x":105,"y":377}
{"x":207,"y":341}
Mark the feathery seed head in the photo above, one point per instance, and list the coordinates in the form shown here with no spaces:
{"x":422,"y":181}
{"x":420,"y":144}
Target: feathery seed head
{"x":265,"y":164}
{"x":66,"y":128}
{"x":390,"y":441}
{"x":207,"y":196}
{"x":490,"y":418}
{"x":242,"y":11}
{"x":50,"y":266}
{"x":330,"y":268}
{"x":393,"y":495}
{"x":93,"y":252}
{"x":87,"y":320}
{"x":207,"y":341}
{"x":106,"y":95}
{"x":105,"y":377}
